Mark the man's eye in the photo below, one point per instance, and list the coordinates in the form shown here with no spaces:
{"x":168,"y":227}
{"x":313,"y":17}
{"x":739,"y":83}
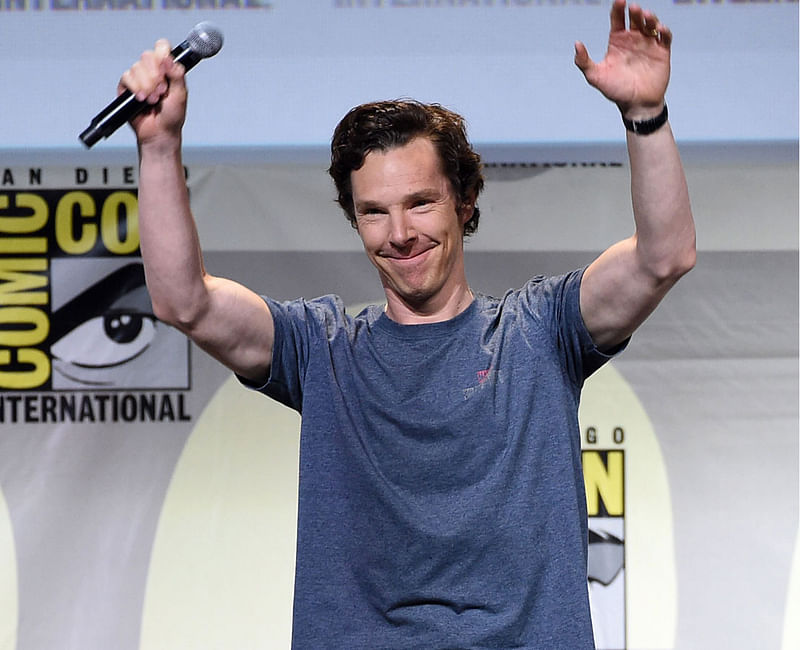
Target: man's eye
{"x":371,"y":212}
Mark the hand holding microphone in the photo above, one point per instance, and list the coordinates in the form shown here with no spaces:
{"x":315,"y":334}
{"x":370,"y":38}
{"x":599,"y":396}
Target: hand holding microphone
{"x":157,"y":74}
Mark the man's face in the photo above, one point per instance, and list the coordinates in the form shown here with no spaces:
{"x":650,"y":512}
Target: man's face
{"x":411,"y":227}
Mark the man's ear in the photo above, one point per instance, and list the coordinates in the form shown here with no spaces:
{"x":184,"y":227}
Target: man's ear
{"x":465,"y":210}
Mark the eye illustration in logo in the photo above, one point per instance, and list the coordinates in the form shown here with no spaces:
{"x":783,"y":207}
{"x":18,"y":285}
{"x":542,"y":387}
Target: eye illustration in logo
{"x":106,"y":336}
{"x":606,"y":556}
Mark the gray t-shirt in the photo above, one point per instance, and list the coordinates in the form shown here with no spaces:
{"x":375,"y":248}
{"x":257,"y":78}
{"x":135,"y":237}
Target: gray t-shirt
{"x":441,"y":499}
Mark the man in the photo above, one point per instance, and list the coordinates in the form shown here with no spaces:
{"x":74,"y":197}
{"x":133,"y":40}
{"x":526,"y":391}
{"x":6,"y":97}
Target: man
{"x":441,"y":500}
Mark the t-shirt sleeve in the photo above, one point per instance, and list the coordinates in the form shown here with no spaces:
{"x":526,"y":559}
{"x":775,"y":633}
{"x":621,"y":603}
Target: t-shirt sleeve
{"x":299,"y":326}
{"x":554,"y":303}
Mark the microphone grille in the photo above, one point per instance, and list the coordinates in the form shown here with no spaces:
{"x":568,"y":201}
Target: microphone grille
{"x":205,"y":39}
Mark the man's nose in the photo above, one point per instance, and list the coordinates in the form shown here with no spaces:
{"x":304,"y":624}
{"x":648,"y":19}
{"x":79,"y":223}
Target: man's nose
{"x":402,"y":232}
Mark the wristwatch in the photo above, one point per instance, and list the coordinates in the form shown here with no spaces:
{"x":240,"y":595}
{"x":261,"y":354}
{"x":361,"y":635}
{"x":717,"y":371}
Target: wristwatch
{"x":645,"y":127}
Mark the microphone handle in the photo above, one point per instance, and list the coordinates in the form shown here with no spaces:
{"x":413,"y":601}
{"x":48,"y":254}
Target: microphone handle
{"x":125,"y":107}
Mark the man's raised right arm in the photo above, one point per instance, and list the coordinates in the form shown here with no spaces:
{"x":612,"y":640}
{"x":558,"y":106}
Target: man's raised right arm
{"x":226,"y":319}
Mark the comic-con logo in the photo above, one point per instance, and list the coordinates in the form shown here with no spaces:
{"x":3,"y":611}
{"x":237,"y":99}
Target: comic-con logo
{"x":74,"y":310}
{"x":631,"y":563}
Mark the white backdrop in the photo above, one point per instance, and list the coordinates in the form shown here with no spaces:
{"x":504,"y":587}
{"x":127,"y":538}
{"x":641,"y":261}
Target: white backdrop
{"x":290,"y":69}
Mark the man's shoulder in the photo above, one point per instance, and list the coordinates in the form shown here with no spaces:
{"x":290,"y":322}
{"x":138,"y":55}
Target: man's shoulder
{"x":537,"y":288}
{"x":326,"y":314}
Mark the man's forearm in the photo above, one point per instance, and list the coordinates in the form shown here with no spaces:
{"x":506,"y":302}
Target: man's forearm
{"x":664,"y":223}
{"x":169,"y":241}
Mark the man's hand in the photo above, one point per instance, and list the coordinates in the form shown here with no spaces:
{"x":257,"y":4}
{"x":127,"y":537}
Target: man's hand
{"x":158,"y":80}
{"x":635,"y":71}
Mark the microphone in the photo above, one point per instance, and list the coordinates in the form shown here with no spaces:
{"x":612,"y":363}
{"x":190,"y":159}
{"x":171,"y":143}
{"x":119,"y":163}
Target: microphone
{"x":203,"y":41}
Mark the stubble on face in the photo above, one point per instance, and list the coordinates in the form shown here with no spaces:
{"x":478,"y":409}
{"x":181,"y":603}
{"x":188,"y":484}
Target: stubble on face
{"x":412,"y":231}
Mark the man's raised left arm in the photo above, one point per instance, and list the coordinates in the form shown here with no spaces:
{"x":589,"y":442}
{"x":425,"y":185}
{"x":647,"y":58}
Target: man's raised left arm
{"x":625,"y":283}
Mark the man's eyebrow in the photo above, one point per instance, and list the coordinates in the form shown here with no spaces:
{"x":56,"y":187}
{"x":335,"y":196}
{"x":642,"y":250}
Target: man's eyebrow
{"x":430,"y":193}
{"x":366,"y":206}
{"x":427,"y":194}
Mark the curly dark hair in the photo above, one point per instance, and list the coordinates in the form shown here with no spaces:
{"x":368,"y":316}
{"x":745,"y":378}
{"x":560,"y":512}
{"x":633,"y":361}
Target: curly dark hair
{"x":380,"y":126}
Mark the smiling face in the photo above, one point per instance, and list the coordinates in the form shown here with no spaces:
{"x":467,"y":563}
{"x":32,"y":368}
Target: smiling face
{"x":412,"y":230}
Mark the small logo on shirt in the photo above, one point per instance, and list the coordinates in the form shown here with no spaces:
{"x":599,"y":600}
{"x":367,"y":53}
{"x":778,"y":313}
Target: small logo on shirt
{"x":488,"y":377}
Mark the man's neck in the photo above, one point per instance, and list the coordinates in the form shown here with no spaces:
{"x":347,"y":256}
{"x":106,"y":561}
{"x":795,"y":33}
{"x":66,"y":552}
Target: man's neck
{"x":440,"y":309}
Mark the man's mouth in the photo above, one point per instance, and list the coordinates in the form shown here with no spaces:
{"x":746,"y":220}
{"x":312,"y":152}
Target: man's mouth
{"x":406,"y":257}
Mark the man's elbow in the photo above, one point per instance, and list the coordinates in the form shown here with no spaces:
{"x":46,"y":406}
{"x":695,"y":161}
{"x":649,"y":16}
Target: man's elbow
{"x":683,"y":262}
{"x":690,"y":258}
{"x":673,"y":264}
{"x":183,"y":319}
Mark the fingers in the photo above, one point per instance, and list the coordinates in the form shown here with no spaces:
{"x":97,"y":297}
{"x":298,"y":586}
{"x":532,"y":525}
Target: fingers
{"x":640,"y":20}
{"x":582,"y":59}
{"x":643,"y":21}
{"x":665,"y":36}
{"x":649,"y":25}
{"x":148,"y":79}
{"x":618,"y":16}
